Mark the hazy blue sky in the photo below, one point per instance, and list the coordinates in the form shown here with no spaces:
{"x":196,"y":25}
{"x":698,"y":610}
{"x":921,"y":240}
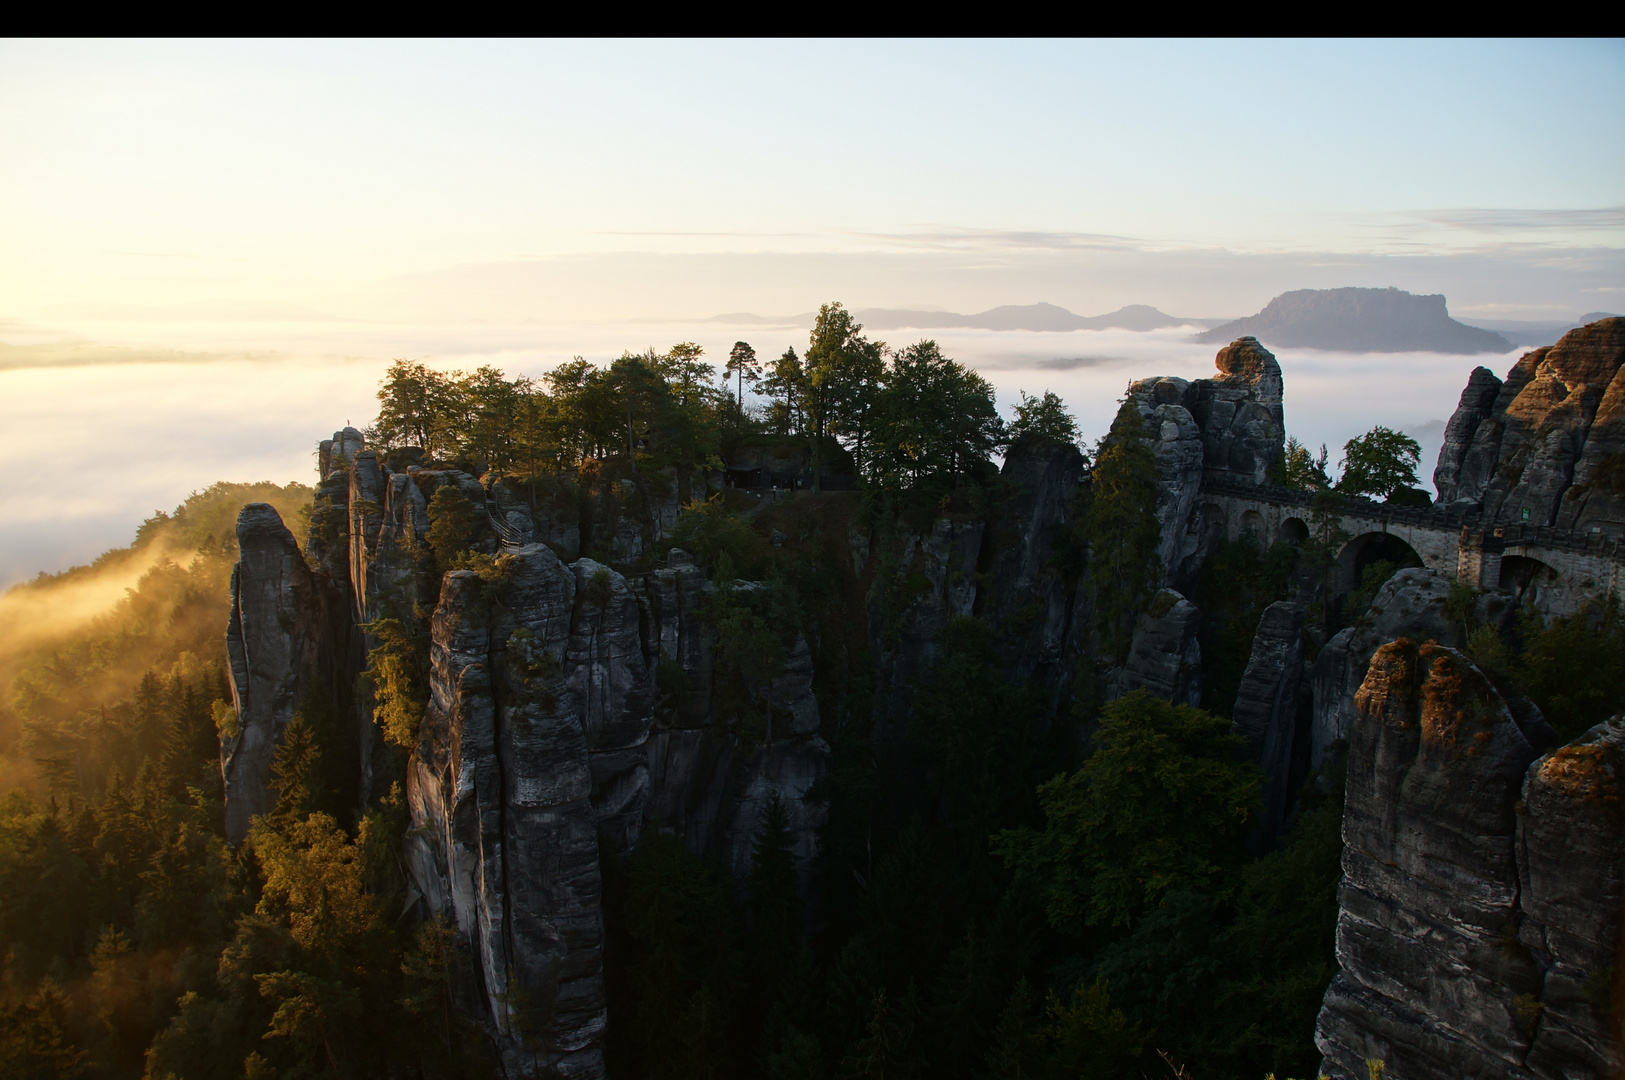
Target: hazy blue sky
{"x":265,"y":177}
{"x":168,"y":209}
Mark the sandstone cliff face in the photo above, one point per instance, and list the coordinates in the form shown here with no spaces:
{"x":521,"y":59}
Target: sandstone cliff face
{"x":1227,"y":428}
{"x":1550,"y":442}
{"x":1240,"y":412}
{"x":1164,"y":658}
{"x":1570,"y":837}
{"x":1269,"y":707}
{"x":1027,"y":596}
{"x":500,"y":789}
{"x":1477,"y":404}
{"x":569,"y":709}
{"x":1409,"y":604}
{"x":1439,"y":977}
{"x":1177,"y":445}
{"x":289,"y":636}
{"x":935,"y":575}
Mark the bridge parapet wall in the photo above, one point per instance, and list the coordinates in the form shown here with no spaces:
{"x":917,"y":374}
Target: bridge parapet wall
{"x":1448,"y":540}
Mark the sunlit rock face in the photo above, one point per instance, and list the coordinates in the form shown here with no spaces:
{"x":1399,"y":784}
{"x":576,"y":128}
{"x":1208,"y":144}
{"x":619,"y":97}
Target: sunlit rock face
{"x":1240,"y":412}
{"x":289,"y":639}
{"x":1450,"y":966}
{"x":1230,"y":427}
{"x":1412,"y":604}
{"x":1547,"y":446}
{"x":500,"y":790}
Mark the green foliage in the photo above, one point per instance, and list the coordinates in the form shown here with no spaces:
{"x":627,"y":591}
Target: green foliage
{"x":397,"y":673}
{"x":33,"y":1044}
{"x":1296,"y":468}
{"x":1279,"y":947}
{"x":1379,"y":463}
{"x":1238,"y":580}
{"x":774,"y":907}
{"x":1162,"y":804}
{"x":712,"y":533}
{"x":673,"y":967}
{"x":1327,"y":536}
{"x":1092,"y":1039}
{"x":1573,"y":667}
{"x":1372,"y":578}
{"x":742,"y":367}
{"x":1124,"y":567}
{"x":453,"y":522}
{"x":982,"y":732}
{"x":936,"y":422}
{"x":1043,"y":418}
{"x":753,"y":627}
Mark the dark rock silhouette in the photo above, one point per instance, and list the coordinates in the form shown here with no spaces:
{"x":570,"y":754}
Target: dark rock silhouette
{"x":1360,"y":320}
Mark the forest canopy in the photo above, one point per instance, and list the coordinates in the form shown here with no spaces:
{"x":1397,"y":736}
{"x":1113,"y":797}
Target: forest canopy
{"x":904,"y":418}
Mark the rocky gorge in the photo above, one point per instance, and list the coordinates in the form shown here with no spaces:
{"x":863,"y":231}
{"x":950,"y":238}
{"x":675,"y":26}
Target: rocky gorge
{"x":571,"y":700}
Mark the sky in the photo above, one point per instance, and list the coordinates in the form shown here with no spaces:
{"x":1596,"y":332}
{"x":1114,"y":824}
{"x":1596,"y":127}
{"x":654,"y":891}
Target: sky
{"x":208,"y":250}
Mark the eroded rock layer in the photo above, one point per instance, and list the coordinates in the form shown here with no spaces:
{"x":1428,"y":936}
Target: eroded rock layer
{"x":290,"y":642}
{"x":1439,"y":977}
{"x":1547,"y":446}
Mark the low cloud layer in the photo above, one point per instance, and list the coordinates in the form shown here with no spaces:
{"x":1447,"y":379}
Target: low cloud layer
{"x":97,"y":447}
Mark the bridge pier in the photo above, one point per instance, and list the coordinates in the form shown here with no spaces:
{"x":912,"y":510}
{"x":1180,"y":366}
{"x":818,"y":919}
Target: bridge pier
{"x":1478,"y":562}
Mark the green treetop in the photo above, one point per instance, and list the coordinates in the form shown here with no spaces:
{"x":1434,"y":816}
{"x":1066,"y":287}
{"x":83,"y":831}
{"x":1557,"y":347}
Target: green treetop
{"x":1043,"y":418}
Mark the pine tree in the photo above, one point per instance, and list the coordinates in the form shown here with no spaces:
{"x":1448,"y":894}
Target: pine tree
{"x":774,"y":902}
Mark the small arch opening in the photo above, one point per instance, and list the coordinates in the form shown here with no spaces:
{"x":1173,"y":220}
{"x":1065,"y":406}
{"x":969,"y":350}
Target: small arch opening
{"x":1364,"y":564}
{"x":1294,"y":531}
{"x":1252,"y":524}
{"x":1532,"y":582}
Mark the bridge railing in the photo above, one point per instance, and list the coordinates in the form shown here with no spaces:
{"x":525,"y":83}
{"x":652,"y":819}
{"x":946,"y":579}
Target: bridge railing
{"x":1438,"y":517}
{"x":1442,"y":518}
{"x":1545,"y":536}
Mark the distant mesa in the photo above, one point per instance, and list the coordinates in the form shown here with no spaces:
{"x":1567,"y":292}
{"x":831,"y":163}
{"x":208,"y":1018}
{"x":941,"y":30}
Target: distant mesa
{"x":1360,"y":320}
{"x":1039,"y":317}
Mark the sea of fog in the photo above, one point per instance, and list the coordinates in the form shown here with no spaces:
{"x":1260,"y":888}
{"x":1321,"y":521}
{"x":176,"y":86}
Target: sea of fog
{"x":100,"y":428}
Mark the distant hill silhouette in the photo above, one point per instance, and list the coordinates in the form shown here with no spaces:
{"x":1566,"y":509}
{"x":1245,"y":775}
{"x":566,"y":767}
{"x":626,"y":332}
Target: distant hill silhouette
{"x":1360,"y":320}
{"x":1532,"y":333}
{"x":1009,"y":317}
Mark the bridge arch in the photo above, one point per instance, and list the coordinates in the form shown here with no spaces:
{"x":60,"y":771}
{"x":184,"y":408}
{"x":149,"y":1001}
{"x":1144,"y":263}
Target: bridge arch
{"x":1368,"y":549}
{"x":1252,"y":524}
{"x":1537,"y":584}
{"x":1293,"y":530}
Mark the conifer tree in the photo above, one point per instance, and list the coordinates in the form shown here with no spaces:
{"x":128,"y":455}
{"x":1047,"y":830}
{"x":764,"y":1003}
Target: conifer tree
{"x":774,"y":902}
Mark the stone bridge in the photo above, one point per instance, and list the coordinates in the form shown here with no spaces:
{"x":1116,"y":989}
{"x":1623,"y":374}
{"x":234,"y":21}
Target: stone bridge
{"x":1556,"y":571}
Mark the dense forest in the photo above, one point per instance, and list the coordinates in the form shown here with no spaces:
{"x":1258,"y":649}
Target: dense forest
{"x":1003,"y":889}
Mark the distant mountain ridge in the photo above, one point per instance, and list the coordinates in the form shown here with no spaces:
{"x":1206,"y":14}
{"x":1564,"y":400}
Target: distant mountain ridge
{"x":1360,"y":320}
{"x":1038,"y":317}
{"x":1531,"y":333}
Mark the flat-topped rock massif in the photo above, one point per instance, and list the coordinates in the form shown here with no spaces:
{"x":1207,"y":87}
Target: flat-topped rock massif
{"x":1360,"y":320}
